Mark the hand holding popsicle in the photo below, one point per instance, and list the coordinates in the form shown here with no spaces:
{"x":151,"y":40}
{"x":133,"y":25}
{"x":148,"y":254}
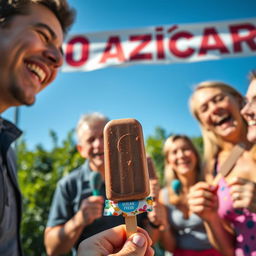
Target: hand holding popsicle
{"x":203,"y":200}
{"x":112,"y":242}
{"x":126,"y":172}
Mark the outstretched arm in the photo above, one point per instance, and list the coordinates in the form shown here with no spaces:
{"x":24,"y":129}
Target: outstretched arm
{"x":159,"y":218}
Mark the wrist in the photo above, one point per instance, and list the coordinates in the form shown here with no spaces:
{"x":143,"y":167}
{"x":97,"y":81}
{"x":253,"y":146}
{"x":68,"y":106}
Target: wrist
{"x":212,"y":219}
{"x":80,"y":219}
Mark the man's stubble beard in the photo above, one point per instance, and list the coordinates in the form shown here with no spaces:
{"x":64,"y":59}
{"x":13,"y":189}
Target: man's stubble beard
{"x":20,"y":96}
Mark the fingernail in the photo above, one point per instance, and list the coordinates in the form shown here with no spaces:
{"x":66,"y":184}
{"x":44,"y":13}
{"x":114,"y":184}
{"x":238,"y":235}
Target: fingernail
{"x":138,"y":240}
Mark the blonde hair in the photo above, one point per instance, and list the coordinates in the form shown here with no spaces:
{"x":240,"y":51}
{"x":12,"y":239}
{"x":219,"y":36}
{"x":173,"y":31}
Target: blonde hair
{"x":212,"y":143}
{"x":252,"y":75}
{"x":169,"y":172}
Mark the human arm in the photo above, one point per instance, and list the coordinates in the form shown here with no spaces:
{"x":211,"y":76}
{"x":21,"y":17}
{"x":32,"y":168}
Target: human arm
{"x":203,"y":200}
{"x":160,"y":227}
{"x":60,"y":239}
{"x":243,"y":193}
{"x":154,"y":221}
{"x":154,"y":188}
{"x":114,"y":242}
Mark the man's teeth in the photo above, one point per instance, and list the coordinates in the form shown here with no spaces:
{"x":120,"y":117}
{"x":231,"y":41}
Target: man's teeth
{"x":37,"y":70}
{"x":98,"y":154}
{"x":252,"y":122}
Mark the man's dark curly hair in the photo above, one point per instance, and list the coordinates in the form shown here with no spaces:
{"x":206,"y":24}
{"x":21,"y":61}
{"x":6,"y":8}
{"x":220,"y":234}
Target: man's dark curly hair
{"x":64,"y":13}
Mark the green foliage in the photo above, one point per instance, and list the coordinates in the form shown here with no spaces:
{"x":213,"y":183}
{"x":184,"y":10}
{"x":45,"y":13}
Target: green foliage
{"x":39,"y":171}
{"x":198,"y":142}
{"x":154,"y":147}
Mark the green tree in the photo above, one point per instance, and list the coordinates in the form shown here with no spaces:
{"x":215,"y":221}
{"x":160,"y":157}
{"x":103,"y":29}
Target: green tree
{"x":198,"y":142}
{"x":39,"y":171}
{"x":154,"y":147}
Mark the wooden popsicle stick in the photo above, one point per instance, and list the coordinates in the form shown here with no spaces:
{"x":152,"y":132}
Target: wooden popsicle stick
{"x":131,"y":225}
{"x":216,"y":179}
{"x":228,"y":165}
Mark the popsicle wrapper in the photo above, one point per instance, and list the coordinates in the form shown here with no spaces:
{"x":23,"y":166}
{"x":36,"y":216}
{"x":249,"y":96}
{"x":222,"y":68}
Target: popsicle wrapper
{"x":128,"y":208}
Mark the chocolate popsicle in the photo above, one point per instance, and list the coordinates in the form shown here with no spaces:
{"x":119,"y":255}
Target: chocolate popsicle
{"x":126,"y":172}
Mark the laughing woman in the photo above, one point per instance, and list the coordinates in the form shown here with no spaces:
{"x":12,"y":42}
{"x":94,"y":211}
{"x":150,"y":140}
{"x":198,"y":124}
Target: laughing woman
{"x":183,"y":233}
{"x":217,"y":107}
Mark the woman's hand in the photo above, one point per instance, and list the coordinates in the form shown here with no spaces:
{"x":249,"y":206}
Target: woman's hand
{"x":159,"y":215}
{"x":203,"y":200}
{"x":243,"y":193}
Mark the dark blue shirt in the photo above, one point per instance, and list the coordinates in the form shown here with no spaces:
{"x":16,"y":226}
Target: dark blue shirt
{"x":10,"y":197}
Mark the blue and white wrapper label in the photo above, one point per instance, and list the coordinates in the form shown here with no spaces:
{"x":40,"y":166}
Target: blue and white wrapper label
{"x":128,"y":208}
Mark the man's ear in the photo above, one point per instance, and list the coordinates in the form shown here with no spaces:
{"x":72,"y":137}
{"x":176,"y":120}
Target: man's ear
{"x":80,"y":149}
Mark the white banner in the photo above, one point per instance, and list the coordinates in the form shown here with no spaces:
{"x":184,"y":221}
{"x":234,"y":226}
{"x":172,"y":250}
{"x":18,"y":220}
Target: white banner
{"x":160,"y":45}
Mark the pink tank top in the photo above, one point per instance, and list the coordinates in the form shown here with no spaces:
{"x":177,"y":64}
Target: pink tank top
{"x":243,"y":221}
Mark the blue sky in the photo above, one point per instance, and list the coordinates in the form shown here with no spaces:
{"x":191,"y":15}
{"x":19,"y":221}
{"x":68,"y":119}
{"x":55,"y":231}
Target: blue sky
{"x":156,"y":95}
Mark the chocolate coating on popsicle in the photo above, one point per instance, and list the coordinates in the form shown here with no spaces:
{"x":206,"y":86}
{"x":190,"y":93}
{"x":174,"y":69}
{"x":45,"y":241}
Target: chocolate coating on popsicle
{"x":151,"y":168}
{"x":126,"y":172}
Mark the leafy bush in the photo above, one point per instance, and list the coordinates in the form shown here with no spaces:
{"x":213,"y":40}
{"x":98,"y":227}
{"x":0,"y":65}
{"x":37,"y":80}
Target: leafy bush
{"x":39,"y":171}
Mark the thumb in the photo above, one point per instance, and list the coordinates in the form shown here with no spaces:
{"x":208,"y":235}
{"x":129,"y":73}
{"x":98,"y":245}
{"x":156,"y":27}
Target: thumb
{"x":136,"y":245}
